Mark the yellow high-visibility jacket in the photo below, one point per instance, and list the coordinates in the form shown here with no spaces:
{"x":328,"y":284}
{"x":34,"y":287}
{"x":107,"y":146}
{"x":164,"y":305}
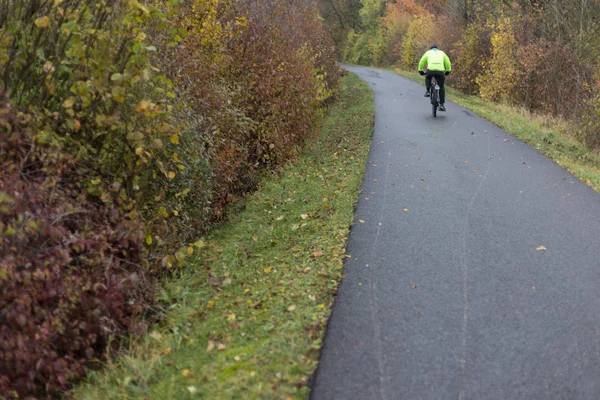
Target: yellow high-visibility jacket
{"x":436,"y":60}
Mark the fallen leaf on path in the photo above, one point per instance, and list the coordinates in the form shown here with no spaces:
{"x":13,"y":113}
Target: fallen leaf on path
{"x":541,"y":248}
{"x":406,"y":210}
{"x":361,"y":221}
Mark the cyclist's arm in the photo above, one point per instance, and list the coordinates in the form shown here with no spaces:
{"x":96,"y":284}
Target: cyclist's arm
{"x":447,"y":63}
{"x":423,"y":62}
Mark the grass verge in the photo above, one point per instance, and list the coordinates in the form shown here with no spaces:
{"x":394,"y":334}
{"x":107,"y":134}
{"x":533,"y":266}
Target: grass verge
{"x":246,"y":319}
{"x":551,"y":136}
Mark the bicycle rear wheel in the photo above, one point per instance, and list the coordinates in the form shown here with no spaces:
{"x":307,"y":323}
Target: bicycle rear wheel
{"x":434,"y":101}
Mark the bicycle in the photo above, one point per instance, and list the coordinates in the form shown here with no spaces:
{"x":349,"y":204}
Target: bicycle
{"x":434,"y":95}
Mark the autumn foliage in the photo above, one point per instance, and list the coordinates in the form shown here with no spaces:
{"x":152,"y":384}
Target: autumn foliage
{"x":125,"y":130}
{"x":540,"y":55}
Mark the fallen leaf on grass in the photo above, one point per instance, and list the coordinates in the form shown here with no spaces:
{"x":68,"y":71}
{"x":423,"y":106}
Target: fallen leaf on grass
{"x":185,"y":372}
{"x":279,"y":218}
{"x":318,"y":254}
{"x":268,"y":270}
{"x":214,"y":281}
{"x":221,"y":347}
{"x":291,"y":308}
{"x":304,"y":216}
{"x":210,"y":346}
{"x":166,"y":351}
{"x":192,"y":389}
{"x":541,"y":248}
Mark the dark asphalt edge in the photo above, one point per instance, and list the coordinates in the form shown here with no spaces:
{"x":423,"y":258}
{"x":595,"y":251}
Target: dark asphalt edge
{"x":313,"y":377}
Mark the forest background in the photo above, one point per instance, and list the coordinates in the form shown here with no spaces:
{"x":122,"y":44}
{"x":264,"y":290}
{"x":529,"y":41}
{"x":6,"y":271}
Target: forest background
{"x":543,"y":55}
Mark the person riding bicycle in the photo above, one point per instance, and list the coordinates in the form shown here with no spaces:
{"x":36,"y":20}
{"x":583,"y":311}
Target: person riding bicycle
{"x":438,"y":65}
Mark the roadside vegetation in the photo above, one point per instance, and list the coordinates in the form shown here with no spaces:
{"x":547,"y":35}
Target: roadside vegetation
{"x":245,"y":319}
{"x":530,"y":67}
{"x":126,"y":127}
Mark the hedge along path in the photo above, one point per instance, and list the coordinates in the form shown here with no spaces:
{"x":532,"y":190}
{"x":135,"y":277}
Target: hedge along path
{"x":246,"y":319}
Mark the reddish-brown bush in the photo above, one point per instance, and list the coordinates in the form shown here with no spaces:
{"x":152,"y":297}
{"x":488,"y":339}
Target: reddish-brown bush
{"x":69,"y":276}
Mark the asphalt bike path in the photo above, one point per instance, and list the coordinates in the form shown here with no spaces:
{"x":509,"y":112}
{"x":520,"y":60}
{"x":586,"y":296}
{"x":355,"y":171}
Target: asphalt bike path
{"x":449,"y":293}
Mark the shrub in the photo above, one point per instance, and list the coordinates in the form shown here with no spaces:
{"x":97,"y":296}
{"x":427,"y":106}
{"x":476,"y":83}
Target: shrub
{"x":110,"y":169}
{"x":470,"y":54}
{"x":502,"y":75}
{"x":70,"y":272}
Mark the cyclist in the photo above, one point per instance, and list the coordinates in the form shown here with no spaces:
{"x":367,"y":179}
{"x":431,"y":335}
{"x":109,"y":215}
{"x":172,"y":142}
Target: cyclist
{"x":438,"y":65}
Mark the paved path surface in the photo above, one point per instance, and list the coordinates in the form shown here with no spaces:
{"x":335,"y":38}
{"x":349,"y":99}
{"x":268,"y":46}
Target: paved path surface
{"x":451,"y":299}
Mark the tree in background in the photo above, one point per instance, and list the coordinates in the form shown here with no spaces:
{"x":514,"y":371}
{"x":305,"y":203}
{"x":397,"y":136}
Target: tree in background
{"x":420,"y":35}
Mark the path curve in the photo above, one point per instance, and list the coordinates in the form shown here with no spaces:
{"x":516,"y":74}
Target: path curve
{"x":446,"y":295}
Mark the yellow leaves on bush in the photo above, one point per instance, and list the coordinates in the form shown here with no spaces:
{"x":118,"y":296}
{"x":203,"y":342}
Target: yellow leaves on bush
{"x":42,"y":22}
{"x":145,"y":108}
{"x":419,"y":36}
{"x":502,"y":72}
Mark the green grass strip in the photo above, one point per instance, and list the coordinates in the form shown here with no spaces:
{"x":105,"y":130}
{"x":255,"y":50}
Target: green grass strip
{"x":246,"y":319}
{"x":551,"y":136}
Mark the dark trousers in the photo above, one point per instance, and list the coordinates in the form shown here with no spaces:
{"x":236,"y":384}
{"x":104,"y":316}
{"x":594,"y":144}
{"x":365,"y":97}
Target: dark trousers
{"x":439,"y":75}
